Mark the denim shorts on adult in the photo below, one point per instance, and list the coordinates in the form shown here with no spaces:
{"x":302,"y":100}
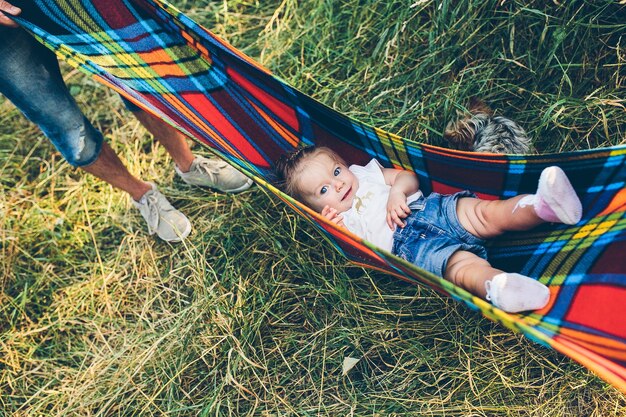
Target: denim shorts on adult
{"x":31,"y":79}
{"x":433,"y":233}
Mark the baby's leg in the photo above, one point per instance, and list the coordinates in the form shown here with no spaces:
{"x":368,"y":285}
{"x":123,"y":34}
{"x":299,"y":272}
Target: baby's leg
{"x":508,"y":291}
{"x":489,"y":218}
{"x":555,"y":201}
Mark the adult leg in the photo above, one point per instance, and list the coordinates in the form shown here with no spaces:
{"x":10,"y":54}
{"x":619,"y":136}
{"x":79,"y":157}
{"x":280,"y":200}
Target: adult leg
{"x":31,"y":79}
{"x":109,"y":168}
{"x":172,"y":140}
{"x":194,"y":170}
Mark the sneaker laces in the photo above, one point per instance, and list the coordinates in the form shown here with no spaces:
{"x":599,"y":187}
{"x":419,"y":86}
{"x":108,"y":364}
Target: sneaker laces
{"x":153,"y":212}
{"x":210,"y":167}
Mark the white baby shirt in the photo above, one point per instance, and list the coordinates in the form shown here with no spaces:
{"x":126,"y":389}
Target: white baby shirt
{"x":367,"y":217}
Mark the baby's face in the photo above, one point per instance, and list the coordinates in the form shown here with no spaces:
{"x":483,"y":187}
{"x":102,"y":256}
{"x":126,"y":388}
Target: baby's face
{"x":326,"y":182}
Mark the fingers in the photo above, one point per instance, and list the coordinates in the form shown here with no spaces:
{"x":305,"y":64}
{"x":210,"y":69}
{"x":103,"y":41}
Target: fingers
{"x":395,"y":215}
{"x":6,"y":10}
{"x":393,"y":220}
{"x":338,"y":220}
{"x":332,"y":215}
{"x":5,"y":21}
{"x":7,"y":7}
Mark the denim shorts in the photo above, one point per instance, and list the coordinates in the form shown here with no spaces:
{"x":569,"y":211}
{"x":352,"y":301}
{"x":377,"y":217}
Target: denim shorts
{"x":31,"y":79}
{"x":433,"y":233}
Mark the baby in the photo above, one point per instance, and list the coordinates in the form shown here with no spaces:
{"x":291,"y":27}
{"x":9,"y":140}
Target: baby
{"x":443,"y":234}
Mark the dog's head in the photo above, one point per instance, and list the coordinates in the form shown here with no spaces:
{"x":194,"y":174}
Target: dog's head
{"x":479,"y":130}
{"x":461,"y":133}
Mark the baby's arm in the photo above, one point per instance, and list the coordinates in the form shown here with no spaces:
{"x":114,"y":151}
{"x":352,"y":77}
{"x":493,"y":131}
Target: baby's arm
{"x":332,"y":215}
{"x":403,"y":183}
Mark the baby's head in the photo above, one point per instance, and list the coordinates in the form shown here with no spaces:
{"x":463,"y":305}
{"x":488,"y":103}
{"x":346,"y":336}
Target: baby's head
{"x":318,"y":177}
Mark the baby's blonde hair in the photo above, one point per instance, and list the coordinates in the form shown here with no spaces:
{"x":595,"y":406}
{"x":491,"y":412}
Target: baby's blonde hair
{"x":289,"y":167}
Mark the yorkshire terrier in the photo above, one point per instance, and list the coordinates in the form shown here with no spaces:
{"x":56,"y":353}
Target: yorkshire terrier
{"x":480,"y":131}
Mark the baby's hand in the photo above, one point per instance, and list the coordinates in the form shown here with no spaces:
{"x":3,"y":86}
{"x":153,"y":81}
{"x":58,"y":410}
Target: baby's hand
{"x":332,"y":215}
{"x":397,"y":209}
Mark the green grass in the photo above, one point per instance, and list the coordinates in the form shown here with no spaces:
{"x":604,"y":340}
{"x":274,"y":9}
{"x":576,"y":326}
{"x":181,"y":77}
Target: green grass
{"x":253,"y":315}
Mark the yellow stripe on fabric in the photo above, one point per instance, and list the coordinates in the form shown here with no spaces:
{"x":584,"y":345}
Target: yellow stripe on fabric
{"x":123,"y":68}
{"x":76,"y":61}
{"x":82,"y":19}
{"x":152,"y":61}
{"x":562,"y":263}
{"x":125,"y":65}
{"x":188,"y":59}
{"x":131,"y":70}
{"x":617,"y":152}
{"x":175,"y":13}
{"x":594,"y":230}
{"x":394,"y":148}
{"x":550,"y":327}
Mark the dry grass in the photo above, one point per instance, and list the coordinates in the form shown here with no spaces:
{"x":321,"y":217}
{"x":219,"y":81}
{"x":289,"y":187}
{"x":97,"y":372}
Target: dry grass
{"x":253,"y":315}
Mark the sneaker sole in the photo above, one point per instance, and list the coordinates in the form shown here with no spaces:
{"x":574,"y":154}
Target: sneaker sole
{"x":560,"y":198}
{"x":180,"y":238}
{"x":244,"y":187}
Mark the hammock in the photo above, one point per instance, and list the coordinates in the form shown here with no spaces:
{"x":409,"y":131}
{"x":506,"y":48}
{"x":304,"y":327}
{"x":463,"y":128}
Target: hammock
{"x":177,"y":70}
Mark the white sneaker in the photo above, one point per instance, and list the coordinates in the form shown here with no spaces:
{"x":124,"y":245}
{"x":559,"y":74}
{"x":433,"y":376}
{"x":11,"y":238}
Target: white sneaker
{"x":513,"y":293}
{"x":168,"y":223}
{"x":215,"y":173}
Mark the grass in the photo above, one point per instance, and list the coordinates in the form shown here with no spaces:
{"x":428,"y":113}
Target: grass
{"x":253,"y":315}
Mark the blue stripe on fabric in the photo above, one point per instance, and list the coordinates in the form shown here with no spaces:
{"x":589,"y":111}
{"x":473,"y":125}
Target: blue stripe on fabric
{"x":513,"y":178}
{"x":370,"y":142}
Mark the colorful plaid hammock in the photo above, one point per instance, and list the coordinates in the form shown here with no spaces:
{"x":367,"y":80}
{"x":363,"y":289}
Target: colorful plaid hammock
{"x":177,"y":70}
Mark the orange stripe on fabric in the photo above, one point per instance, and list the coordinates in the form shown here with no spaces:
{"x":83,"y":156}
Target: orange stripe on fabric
{"x":462,"y":155}
{"x":284,"y":133}
{"x":617,"y":204}
{"x":593,"y":339}
{"x":167,"y":70}
{"x":228,"y":148}
{"x":243,"y":147}
{"x":197,"y":46}
{"x":280,"y":109}
{"x":161,"y":63}
{"x":609,"y":371}
{"x":177,"y":104}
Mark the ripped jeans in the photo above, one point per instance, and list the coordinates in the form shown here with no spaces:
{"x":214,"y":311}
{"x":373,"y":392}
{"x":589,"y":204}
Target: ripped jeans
{"x":30,"y":78}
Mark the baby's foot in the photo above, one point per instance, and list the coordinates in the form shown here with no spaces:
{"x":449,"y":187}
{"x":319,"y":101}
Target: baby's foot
{"x":556,"y":200}
{"x":513,"y":293}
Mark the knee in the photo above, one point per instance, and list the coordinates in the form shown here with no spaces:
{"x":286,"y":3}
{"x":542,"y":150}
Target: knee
{"x":461,"y":265}
{"x":77,"y":140}
{"x":484,"y":222}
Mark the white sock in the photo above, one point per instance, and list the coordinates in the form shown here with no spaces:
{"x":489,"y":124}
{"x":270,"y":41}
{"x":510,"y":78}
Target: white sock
{"x":513,"y":293}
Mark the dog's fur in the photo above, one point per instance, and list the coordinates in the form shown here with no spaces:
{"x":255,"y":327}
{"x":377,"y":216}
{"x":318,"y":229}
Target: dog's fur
{"x":479,"y":130}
